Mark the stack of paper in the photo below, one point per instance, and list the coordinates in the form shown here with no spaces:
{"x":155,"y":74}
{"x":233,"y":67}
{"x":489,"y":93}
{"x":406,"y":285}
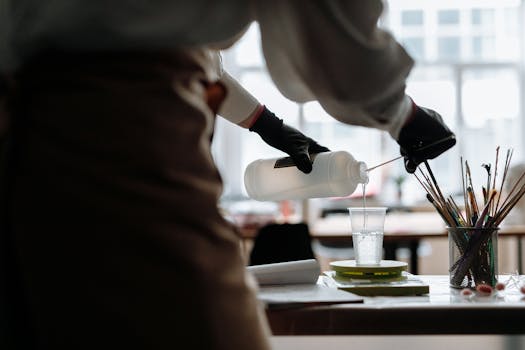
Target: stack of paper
{"x":301,"y":271}
{"x":295,"y":283}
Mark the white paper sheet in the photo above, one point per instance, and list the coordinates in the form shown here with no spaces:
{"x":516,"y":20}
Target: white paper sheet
{"x":292,"y":272}
{"x":293,"y":295}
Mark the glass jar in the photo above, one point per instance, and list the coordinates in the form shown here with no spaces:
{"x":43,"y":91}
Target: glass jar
{"x":473,"y":256}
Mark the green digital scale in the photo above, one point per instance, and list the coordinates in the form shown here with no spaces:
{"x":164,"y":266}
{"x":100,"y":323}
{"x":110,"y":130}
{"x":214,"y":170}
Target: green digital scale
{"x":386,"y":270}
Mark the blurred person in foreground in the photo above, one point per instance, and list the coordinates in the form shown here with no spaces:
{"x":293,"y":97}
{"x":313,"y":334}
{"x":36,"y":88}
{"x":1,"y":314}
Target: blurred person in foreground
{"x":111,"y":233}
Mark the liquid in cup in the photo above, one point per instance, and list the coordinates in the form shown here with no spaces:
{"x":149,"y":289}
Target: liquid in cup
{"x":367,"y":234}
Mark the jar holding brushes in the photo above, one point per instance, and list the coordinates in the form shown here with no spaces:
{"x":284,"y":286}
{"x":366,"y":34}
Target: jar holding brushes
{"x":473,"y":229}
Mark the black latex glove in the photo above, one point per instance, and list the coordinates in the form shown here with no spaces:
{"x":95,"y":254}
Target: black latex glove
{"x":424,"y":136}
{"x":287,"y":139}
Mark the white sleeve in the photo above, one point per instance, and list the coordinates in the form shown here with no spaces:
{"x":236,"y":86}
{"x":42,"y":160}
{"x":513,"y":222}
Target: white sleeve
{"x":334,"y":52}
{"x":239,"y":104}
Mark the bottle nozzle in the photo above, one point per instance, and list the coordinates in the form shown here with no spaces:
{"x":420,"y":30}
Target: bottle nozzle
{"x":388,"y":161}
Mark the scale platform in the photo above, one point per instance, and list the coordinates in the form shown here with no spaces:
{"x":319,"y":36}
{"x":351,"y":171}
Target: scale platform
{"x":387,"y":269}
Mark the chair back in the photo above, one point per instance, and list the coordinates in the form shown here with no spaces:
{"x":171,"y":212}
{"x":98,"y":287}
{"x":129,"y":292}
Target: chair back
{"x":277,"y":243}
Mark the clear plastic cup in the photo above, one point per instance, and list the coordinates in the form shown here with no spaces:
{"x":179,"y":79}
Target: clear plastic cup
{"x":367,"y":234}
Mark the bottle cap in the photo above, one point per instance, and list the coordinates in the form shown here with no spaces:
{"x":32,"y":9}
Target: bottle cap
{"x":363,"y":174}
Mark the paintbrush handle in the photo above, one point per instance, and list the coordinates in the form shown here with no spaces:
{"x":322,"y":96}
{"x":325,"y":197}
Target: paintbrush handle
{"x":388,"y":161}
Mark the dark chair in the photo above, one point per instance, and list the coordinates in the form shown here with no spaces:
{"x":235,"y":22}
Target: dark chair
{"x":276,"y":243}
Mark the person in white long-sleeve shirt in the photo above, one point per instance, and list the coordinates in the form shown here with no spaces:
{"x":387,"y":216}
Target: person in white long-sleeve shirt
{"x":112,"y":236}
{"x":242,"y":108}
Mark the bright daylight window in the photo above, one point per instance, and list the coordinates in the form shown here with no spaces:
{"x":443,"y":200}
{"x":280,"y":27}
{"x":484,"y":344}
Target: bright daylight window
{"x":468,"y":68}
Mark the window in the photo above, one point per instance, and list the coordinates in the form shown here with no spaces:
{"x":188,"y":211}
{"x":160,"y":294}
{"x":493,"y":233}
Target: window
{"x":248,"y":52}
{"x":476,"y":16}
{"x":490,"y":108}
{"x":483,"y":47}
{"x":446,"y":17}
{"x":477,"y":47}
{"x":490,"y":96}
{"x":449,"y":48}
{"x":415,"y":47}
{"x":412,"y":18}
{"x":468,"y":68}
{"x":482,"y":17}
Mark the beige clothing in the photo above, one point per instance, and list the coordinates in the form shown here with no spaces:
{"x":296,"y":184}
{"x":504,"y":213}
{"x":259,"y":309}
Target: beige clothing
{"x":116,"y":232}
{"x":326,"y":50}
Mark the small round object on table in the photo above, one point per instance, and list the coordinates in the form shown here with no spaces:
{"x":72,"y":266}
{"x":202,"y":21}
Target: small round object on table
{"x":385,"y":270}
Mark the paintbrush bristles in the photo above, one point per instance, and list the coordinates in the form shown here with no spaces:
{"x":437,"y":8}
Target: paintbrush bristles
{"x":492,"y":213}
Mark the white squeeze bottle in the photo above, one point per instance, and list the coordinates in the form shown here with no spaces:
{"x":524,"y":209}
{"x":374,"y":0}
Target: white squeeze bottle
{"x":334,"y":174}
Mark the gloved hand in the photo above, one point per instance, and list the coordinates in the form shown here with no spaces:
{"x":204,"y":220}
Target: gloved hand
{"x":287,"y":139}
{"x":424,"y":136}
